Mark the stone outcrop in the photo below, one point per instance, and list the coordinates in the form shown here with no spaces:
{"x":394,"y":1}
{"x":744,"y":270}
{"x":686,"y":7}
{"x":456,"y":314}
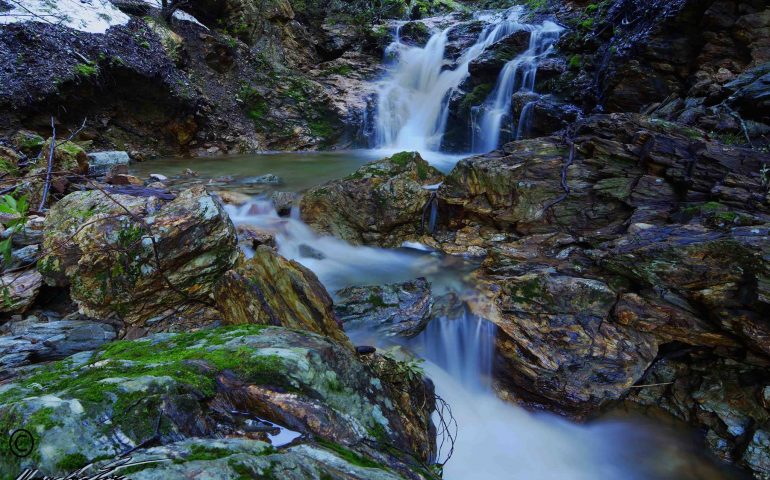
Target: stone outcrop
{"x":175,"y":392}
{"x":268,"y":289}
{"x":138,"y":258}
{"x":402,"y":309}
{"x":381,"y":203}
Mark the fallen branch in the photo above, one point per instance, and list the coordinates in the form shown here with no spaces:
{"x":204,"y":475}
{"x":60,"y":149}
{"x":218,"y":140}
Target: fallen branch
{"x":47,"y":184}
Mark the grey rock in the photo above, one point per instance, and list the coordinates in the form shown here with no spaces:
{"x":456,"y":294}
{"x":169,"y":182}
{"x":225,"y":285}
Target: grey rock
{"x":402,"y":309}
{"x":267,"y":179}
{"x":32,"y":341}
{"x":99,"y":163}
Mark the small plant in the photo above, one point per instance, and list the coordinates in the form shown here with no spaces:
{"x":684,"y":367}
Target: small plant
{"x":17,"y":210}
{"x":86,"y":69}
{"x":409,"y":369}
{"x":764,"y":175}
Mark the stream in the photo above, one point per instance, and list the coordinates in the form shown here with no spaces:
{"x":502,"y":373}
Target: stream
{"x":495,"y":439}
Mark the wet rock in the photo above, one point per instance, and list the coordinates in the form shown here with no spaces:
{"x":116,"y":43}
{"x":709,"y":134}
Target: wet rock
{"x":100,"y":163}
{"x":268,"y":179}
{"x":252,"y":237}
{"x":233,"y":198}
{"x":380,"y":203}
{"x":32,"y":341}
{"x":491,"y":62}
{"x":268,"y":289}
{"x":720,"y":273}
{"x":201,"y":387}
{"x":402,"y":310}
{"x":137,"y":257}
{"x":306,"y":251}
{"x":720,"y":397}
{"x":284,"y":202}
{"x":557,"y":344}
{"x":19,"y":290}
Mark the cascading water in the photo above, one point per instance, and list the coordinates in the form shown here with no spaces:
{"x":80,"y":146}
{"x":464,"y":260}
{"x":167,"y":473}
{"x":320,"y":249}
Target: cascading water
{"x":495,"y":440}
{"x":413,"y":100}
{"x":517,"y":75}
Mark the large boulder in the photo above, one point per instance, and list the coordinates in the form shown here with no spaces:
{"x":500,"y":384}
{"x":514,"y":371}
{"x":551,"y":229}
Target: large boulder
{"x":557,"y":343}
{"x":268,"y":289}
{"x":381,"y":203}
{"x":220,"y":383}
{"x":137,"y":257}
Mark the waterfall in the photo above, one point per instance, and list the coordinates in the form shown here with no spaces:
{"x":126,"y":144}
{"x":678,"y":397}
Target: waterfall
{"x":524,"y":119}
{"x":517,"y":75}
{"x":413,"y":99}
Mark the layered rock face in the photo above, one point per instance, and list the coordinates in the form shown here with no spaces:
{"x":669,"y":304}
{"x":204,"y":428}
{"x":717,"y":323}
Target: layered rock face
{"x":270,"y":290}
{"x":614,"y":251}
{"x":202,"y":398}
{"x":381,"y":203}
{"x":138,"y":258}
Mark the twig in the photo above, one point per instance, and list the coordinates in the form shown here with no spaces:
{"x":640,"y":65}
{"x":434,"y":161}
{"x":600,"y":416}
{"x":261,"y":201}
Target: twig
{"x":47,"y":184}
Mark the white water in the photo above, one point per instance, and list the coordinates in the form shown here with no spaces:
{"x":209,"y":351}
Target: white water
{"x":517,"y":75}
{"x":495,"y":440}
{"x":413,"y":100}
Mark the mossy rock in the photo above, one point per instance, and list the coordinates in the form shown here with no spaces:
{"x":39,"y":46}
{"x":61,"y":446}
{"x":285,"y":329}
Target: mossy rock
{"x":167,"y":387}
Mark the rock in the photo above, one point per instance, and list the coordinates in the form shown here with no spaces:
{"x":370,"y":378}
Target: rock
{"x":158,"y":177}
{"x":123,"y":179}
{"x":19,"y":290}
{"x":233,"y":198}
{"x":32,"y":341}
{"x":306,"y":251}
{"x":724,"y":274}
{"x":492,"y":61}
{"x":267,"y":179}
{"x":751,"y":93}
{"x":284,"y":202}
{"x":100,"y":163}
{"x":9,"y":161}
{"x":28,"y":142}
{"x":209,"y":385}
{"x":30,"y":234}
{"x":557,"y":344}
{"x":381,"y":203}
{"x":719,"y":397}
{"x":110,"y":258}
{"x":234,"y":458}
{"x":252,"y":237}
{"x":402,"y":310}
{"x":268,"y":289}
{"x":24,"y":256}
{"x":68,"y":157}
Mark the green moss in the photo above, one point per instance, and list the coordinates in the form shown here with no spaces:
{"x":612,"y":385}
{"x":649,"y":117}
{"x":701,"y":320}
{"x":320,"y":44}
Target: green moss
{"x":72,"y":462}
{"x":476,"y":97}
{"x":320,"y":128}
{"x":575,"y":62}
{"x":343,"y":70}
{"x":403,"y":158}
{"x":202,"y":452}
{"x":8,"y":167}
{"x":86,"y":69}
{"x":349,"y":455}
{"x":377,"y":301}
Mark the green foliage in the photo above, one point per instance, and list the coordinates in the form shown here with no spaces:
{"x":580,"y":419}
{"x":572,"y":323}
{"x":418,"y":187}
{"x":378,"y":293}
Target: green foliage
{"x":409,"y":369}
{"x":18,"y":210}
{"x":86,"y":69}
{"x":536,"y":4}
{"x":575,"y":62}
{"x":339,"y":70}
{"x":72,"y":462}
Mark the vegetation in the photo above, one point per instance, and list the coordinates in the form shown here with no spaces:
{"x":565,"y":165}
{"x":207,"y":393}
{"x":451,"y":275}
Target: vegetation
{"x":17,"y":210}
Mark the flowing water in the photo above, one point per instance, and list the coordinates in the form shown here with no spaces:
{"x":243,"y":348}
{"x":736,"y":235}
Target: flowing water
{"x":413,"y":100}
{"x":518,"y":75}
{"x":495,"y":440}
